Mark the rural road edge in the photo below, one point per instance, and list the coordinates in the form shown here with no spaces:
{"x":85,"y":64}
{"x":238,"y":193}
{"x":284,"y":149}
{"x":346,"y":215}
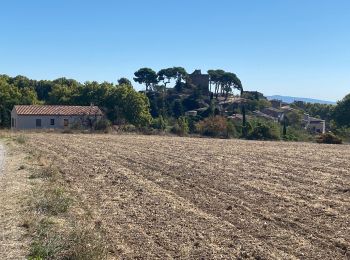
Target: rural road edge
{"x":2,"y":158}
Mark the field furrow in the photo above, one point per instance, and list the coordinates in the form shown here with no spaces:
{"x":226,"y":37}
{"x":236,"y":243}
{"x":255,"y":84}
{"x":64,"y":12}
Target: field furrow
{"x":166,"y":197}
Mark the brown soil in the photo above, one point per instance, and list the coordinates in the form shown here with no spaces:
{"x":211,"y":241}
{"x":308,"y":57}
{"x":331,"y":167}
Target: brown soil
{"x":167,"y":197}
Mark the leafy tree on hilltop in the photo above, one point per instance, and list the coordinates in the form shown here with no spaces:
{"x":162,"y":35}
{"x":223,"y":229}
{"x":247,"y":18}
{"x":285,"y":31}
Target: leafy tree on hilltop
{"x":224,"y":82}
{"x":180,"y":74}
{"x":165,"y":75}
{"x":215,"y":77}
{"x":146,"y":76}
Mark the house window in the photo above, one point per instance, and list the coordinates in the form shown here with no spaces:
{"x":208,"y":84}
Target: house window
{"x":65,"y":122}
{"x":38,"y":123}
{"x":52,"y":121}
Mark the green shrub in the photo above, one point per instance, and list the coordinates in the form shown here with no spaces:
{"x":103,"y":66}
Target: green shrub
{"x":290,"y":137}
{"x":181,"y":126}
{"x":102,"y":125}
{"x":298,"y":134}
{"x":264,"y":131}
{"x":159,"y":123}
{"x":77,"y":125}
{"x":328,"y":138}
{"x":343,"y":133}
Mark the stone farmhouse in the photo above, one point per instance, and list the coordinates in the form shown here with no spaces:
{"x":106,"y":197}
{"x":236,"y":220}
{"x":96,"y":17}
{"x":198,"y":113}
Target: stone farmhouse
{"x":276,"y":113}
{"x":25,"y":117}
{"x":314,"y":125}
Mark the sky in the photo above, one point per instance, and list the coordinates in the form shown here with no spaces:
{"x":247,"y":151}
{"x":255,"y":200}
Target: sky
{"x":291,"y":47}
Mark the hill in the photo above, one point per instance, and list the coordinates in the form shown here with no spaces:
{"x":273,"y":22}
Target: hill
{"x":289,"y":99}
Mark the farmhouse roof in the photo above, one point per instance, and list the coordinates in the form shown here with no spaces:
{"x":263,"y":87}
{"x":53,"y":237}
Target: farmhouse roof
{"x":273,"y":109}
{"x":266,"y":116}
{"x":287,"y":108}
{"x":44,"y":110}
{"x":315,"y":120}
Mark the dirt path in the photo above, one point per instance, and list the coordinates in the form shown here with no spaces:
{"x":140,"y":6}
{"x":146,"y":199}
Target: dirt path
{"x":2,"y":158}
{"x":13,"y":187}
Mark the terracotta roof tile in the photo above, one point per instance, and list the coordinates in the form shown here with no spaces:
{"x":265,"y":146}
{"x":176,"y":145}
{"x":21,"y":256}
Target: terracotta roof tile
{"x":57,"y":110}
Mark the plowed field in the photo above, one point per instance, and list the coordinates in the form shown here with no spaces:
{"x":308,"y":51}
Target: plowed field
{"x":168,"y":197}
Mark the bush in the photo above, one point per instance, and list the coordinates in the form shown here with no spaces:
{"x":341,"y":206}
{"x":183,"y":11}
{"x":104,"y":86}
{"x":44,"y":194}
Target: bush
{"x":264,"y":131}
{"x":102,"y":125}
{"x":290,"y":137}
{"x":213,"y":126}
{"x":129,"y":128}
{"x":159,"y":123}
{"x":343,"y":133}
{"x":232,"y":130}
{"x":76,"y":126}
{"x":181,"y":126}
{"x":328,"y":138}
{"x":298,"y":134}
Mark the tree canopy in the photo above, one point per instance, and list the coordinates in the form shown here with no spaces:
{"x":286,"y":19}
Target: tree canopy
{"x":146,"y":76}
{"x":224,"y":82}
{"x":121,"y":103}
{"x":341,"y":112}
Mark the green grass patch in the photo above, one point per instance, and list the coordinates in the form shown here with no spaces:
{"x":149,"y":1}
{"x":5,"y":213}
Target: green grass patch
{"x":53,"y":201}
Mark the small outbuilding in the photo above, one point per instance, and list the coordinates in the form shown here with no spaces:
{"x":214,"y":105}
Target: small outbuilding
{"x":25,"y":117}
{"x":191,"y":113}
{"x":316,"y":125}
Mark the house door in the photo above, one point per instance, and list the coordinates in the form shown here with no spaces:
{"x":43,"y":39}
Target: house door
{"x":38,"y":123}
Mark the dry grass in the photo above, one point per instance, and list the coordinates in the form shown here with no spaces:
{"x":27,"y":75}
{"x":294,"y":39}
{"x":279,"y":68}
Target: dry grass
{"x":80,"y":243}
{"x":39,"y":217}
{"x":56,"y":231}
{"x":13,"y":187}
{"x":162,"y":197}
{"x":21,"y":139}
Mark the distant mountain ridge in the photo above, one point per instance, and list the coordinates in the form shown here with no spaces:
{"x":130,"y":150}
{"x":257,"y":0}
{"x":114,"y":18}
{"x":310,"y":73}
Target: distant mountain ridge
{"x":289,"y":99}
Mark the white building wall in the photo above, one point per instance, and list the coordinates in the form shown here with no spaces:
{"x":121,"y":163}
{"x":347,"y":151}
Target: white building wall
{"x":319,"y":127}
{"x":26,"y":122}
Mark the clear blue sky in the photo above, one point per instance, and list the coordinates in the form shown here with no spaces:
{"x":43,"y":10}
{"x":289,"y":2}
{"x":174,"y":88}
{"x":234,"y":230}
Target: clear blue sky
{"x":289,"y":47}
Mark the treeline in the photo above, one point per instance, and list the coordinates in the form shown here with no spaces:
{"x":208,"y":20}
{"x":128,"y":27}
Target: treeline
{"x":121,"y":103}
{"x":337,"y":116}
{"x":223,"y":82}
{"x":163,"y":108}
